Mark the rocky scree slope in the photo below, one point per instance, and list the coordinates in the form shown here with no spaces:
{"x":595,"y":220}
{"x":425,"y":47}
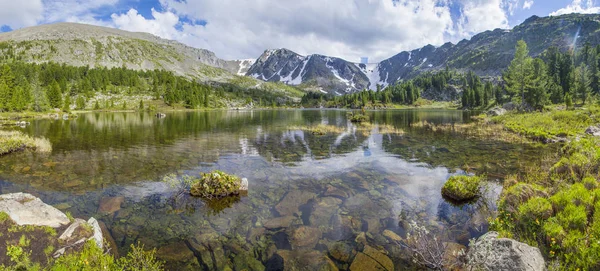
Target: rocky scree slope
{"x":487,"y":54}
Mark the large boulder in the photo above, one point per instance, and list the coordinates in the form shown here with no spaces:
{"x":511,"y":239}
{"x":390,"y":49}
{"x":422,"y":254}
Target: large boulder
{"x":593,"y":130}
{"x":492,"y":253}
{"x":25,"y":209}
{"x":496,"y":111}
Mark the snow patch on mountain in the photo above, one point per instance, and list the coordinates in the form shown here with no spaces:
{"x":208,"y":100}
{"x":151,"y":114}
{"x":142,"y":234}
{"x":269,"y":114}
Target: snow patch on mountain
{"x":244,"y":66}
{"x":372,"y":72}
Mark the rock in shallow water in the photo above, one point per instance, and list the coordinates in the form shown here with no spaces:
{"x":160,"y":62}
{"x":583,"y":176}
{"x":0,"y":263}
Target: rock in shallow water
{"x":25,"y":209}
{"x":291,"y":203}
{"x":493,"y":253}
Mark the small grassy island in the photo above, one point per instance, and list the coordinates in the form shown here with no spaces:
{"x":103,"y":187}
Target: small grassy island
{"x":462,"y":188}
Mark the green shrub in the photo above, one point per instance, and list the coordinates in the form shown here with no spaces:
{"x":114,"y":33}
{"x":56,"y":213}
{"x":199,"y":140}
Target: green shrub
{"x":590,"y":183}
{"x":462,"y":188}
{"x":573,"y":218}
{"x":576,"y":195}
{"x":215,"y":184}
{"x":536,"y":209}
{"x":138,"y":259}
{"x":359,"y":118}
{"x":553,"y":230}
{"x":514,"y":196}
{"x":4,"y":217}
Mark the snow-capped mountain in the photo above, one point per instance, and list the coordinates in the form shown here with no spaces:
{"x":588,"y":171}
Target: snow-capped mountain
{"x":329,"y":73}
{"x":486,"y":54}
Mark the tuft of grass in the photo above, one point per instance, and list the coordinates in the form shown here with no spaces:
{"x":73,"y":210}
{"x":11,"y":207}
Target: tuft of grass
{"x":13,"y":141}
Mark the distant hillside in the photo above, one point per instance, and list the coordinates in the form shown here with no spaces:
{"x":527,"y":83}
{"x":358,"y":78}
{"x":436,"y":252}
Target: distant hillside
{"x":81,"y":45}
{"x":487,"y":54}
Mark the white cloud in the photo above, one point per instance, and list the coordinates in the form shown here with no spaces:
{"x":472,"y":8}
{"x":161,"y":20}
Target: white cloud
{"x":21,"y":13}
{"x":244,"y":29}
{"x":527,"y":4}
{"x":481,"y":15}
{"x":374,"y":28}
{"x":163,"y":24}
{"x":578,"y":6}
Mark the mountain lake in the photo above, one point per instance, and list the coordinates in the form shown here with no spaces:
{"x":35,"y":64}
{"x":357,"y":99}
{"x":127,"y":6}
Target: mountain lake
{"x":316,"y":200}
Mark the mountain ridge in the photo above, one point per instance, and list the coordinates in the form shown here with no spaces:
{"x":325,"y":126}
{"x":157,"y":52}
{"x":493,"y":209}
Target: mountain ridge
{"x":487,"y":54}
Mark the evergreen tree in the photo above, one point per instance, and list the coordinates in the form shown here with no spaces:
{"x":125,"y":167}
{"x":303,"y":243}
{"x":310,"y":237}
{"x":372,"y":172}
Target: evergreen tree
{"x":124,"y":106}
{"x":141,"y":106}
{"x":568,"y":101}
{"x":536,"y":94}
{"x":67,"y":104}
{"x":54,"y":95}
{"x":80,"y":103}
{"x":518,"y":75}
{"x":96,"y":105}
{"x":582,"y":83}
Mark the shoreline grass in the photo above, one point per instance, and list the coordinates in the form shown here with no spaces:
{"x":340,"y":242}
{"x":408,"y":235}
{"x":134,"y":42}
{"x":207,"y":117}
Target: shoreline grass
{"x":14,"y":141}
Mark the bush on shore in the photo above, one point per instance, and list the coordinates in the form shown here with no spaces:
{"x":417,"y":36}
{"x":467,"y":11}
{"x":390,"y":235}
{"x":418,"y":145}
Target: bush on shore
{"x":559,"y":213}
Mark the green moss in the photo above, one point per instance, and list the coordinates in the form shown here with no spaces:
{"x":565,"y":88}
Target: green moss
{"x":462,"y":188}
{"x":536,"y":209}
{"x":215,"y":184}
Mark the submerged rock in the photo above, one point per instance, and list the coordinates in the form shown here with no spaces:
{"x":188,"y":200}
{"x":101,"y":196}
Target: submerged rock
{"x":25,"y":209}
{"x":492,"y":253}
{"x":110,"y":205}
{"x":279,"y":222}
{"x":371,"y":259}
{"x":304,"y":237}
{"x":291,"y":203}
{"x":300,"y":260}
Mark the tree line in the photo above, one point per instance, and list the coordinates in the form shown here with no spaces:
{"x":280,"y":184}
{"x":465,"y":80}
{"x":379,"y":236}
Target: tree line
{"x":40,"y":87}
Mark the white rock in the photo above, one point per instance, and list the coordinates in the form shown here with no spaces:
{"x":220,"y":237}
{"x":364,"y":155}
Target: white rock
{"x":68,"y":233}
{"x":25,"y":209}
{"x":97,"y":232}
{"x":244,"y":185}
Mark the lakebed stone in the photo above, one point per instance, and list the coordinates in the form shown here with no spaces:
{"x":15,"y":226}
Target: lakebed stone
{"x":304,"y":237}
{"x":291,"y":203}
{"x":109,"y":205}
{"x":25,"y":209}
{"x":300,"y":260}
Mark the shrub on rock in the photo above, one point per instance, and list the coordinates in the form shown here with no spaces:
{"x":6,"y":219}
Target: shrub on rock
{"x":216,"y":184}
{"x":462,"y":188}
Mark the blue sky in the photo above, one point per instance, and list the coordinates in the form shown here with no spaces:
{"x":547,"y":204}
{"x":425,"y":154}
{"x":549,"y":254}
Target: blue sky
{"x":240,"y":29}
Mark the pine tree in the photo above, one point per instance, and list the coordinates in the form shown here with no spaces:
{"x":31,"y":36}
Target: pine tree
{"x":54,"y":95}
{"x":124,"y":106}
{"x":568,"y":101}
{"x":80,"y":103}
{"x":67,"y":104}
{"x":517,"y":77}
{"x":96,"y":105}
{"x":536,"y":94}
{"x":141,"y":106}
{"x":582,"y":83}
